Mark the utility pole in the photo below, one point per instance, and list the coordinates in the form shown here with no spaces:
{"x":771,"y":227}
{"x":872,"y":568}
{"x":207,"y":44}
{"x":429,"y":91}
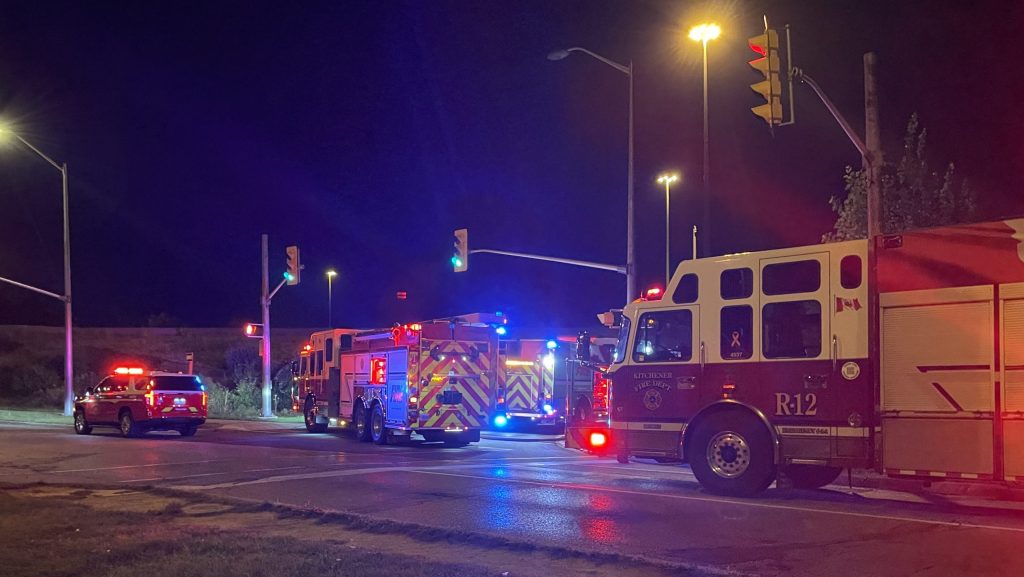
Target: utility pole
{"x":266,"y":411}
{"x":872,"y":164}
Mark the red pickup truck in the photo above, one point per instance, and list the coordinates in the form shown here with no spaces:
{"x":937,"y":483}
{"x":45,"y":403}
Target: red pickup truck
{"x":137,"y":401}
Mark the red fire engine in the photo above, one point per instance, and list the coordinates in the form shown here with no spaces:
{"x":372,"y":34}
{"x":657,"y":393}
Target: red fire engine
{"x":758,"y":363}
{"x":435,"y":378}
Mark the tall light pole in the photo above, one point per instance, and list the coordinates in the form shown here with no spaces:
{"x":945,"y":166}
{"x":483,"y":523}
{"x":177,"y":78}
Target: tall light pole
{"x":626,"y":69}
{"x":667,"y":180}
{"x":330,"y":295}
{"x":69,"y":388}
{"x":703,"y":33}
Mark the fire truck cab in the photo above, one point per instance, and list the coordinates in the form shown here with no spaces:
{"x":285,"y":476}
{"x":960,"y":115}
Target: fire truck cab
{"x":434,"y":378}
{"x":758,"y":363}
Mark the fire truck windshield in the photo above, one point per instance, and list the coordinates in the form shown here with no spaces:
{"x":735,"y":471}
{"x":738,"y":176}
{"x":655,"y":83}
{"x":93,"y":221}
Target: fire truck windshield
{"x":620,"y":346}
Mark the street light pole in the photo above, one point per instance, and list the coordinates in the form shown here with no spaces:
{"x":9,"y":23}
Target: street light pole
{"x":69,"y":385}
{"x":704,"y":33}
{"x":626,"y":69}
{"x":667,"y":179}
{"x":330,"y":296}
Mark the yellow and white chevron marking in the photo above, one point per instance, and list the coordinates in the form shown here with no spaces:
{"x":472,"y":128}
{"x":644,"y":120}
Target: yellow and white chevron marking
{"x":462,"y":367}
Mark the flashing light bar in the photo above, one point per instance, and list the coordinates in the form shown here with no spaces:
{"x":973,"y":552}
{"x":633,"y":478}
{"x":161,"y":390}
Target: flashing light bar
{"x":518,"y":363}
{"x":128,"y":371}
{"x":654,"y":293}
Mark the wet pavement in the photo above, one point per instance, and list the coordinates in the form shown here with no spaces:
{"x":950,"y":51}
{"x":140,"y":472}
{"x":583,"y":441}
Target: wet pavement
{"x":539,"y":491}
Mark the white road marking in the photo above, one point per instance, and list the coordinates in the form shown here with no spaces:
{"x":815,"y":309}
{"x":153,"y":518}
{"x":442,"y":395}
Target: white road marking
{"x":752,"y":504}
{"x":345,"y":473}
{"x":137,"y":466}
{"x":176,"y":477}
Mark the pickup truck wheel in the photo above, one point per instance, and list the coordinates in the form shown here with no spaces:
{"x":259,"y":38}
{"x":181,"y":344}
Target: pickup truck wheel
{"x":378,"y":432}
{"x":362,"y":427}
{"x":731,"y":454}
{"x":82,"y":426}
{"x":188,"y":430}
{"x":127,"y":425}
{"x":812,"y":476}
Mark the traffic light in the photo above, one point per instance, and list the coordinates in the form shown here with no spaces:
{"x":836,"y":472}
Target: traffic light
{"x":767,"y":46}
{"x":253,"y":330}
{"x":294,"y":268}
{"x":460,"y":252}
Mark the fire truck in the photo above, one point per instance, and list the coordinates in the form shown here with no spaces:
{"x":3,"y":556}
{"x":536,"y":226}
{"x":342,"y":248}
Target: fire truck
{"x":587,"y":426}
{"x":759,"y":365}
{"x":435,"y":379}
{"x":526,"y":383}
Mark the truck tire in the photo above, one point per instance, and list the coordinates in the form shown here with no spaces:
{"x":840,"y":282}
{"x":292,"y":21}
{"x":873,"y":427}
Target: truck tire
{"x":82,"y":427}
{"x":127,"y":424}
{"x":362,"y":426}
{"x":731,"y":454}
{"x":309,"y":413}
{"x":378,"y":432}
{"x":188,"y":430}
{"x":812,"y":476}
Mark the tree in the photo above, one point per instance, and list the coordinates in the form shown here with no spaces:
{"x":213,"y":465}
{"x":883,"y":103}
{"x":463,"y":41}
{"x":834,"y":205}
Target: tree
{"x":913,"y":195}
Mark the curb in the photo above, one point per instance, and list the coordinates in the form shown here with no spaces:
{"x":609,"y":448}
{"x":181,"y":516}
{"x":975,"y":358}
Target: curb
{"x":941,"y":487}
{"x":523,"y":438}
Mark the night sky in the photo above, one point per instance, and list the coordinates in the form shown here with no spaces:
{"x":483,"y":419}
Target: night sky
{"x":365,"y":132}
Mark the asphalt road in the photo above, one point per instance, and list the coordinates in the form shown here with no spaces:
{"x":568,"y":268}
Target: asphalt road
{"x":539,"y":491}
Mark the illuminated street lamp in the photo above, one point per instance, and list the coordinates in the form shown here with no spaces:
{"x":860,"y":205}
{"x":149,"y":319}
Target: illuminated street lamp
{"x":667,"y":180}
{"x":69,"y":390}
{"x":704,"y":33}
{"x":626,"y":69}
{"x":330,"y":295}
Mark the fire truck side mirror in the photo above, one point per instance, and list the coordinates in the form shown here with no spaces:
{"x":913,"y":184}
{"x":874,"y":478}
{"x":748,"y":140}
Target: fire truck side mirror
{"x":583,"y":346}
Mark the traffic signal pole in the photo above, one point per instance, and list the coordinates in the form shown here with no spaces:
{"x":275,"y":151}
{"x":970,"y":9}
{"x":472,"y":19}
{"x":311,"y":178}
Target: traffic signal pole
{"x":583,"y":263}
{"x":266,"y":410}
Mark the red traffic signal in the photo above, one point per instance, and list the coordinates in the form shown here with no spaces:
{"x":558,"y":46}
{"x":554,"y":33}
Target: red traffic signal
{"x":767,"y":47}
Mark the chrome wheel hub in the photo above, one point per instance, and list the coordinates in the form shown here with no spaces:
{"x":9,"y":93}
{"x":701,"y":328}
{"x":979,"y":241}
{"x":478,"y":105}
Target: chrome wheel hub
{"x":728,"y":454}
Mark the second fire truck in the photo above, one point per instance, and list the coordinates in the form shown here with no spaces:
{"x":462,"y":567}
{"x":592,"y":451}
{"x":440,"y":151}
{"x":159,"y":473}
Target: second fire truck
{"x":435,"y":379}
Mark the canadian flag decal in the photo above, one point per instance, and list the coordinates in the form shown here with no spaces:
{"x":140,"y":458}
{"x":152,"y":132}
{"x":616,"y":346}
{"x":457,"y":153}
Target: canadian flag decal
{"x":843,"y":304}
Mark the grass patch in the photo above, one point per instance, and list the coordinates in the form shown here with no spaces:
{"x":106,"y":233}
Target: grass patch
{"x":61,"y":537}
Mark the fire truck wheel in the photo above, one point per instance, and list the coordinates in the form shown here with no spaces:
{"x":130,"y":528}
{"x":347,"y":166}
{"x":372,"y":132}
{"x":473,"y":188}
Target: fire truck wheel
{"x":362,"y":427}
{"x":378,"y":432}
{"x":82,"y":426}
{"x":128,"y":426}
{"x":812,"y":476}
{"x":309,"y":412}
{"x":731,"y":454}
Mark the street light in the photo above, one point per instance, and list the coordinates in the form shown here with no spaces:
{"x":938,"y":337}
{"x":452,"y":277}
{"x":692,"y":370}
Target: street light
{"x":330,"y":295}
{"x":703,"y":33}
{"x":626,"y":69}
{"x":69,"y":389}
{"x":667,"y":180}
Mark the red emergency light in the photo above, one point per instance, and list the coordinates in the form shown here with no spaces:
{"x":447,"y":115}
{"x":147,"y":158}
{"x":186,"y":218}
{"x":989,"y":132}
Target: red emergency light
{"x":378,"y":371}
{"x":653,"y":294}
{"x":128,"y":371}
{"x":598,"y":439}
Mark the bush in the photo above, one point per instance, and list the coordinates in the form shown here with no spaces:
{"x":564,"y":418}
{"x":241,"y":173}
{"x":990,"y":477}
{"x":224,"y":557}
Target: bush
{"x":239,"y":402}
